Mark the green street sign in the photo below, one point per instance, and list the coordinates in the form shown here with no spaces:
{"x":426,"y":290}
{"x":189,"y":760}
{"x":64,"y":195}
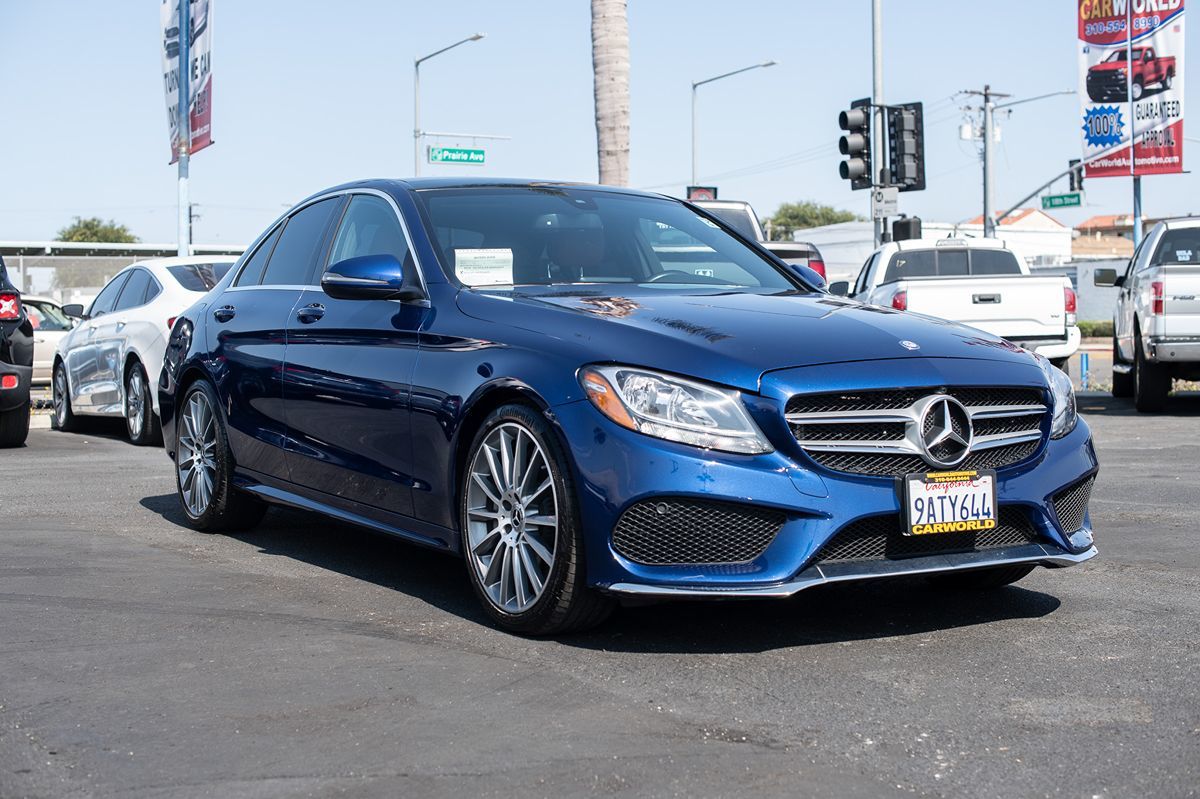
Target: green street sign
{"x":455,"y":155}
{"x":1072,"y":199}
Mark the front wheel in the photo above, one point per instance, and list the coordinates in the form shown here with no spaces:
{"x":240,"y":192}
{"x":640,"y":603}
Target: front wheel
{"x":520,"y":527}
{"x":977,"y":579}
{"x":64,"y":418}
{"x":1167,"y":81}
{"x":1138,"y":89}
{"x":139,"y":408}
{"x":204,"y":467}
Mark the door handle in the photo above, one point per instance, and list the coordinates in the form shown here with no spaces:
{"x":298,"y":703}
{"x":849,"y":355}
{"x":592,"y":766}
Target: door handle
{"x":310,"y":313}
{"x":224,"y":313}
{"x":121,"y":324}
{"x":91,"y":331}
{"x":985,"y":299}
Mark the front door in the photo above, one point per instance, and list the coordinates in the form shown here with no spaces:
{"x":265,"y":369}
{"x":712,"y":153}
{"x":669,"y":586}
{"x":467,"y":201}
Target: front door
{"x":86,"y":366}
{"x":348,"y":374}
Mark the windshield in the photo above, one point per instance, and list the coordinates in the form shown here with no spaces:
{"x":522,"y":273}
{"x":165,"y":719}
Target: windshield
{"x":45,"y":316}
{"x":1120,"y":56}
{"x":501,"y":236}
{"x":950,"y":262}
{"x":737,"y":218}
{"x":199,"y":277}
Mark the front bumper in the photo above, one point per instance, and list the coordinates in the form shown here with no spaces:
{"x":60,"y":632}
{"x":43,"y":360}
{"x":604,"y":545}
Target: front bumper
{"x":616,"y":468}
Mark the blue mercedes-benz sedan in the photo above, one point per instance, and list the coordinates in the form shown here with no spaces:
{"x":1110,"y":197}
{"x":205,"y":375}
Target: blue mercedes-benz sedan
{"x":592,"y":393}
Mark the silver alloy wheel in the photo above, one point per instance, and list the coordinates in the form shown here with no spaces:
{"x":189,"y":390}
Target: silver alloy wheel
{"x":196,"y":459}
{"x":59,"y":396}
{"x":512,"y":518}
{"x":135,"y":401}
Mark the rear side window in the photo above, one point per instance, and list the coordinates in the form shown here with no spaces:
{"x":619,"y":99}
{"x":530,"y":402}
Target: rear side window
{"x":296,"y":253}
{"x":134,"y":293}
{"x":252,"y":271}
{"x":1179,"y":247}
{"x":369,"y":227}
{"x":198,"y":277}
{"x":950,"y":263}
{"x":107,"y":298}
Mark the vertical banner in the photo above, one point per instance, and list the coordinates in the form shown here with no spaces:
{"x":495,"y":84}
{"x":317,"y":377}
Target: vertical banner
{"x":1153,"y":79}
{"x":200,"y":72}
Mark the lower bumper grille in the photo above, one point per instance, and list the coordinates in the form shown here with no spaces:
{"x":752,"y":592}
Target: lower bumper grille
{"x":880,"y":538}
{"x":680,"y":531}
{"x":1071,"y":505}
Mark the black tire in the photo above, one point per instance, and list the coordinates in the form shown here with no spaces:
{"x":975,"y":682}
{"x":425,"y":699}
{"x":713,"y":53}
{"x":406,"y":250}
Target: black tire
{"x":1167,"y":81}
{"x":144,"y":430}
{"x":14,"y":426}
{"x":62,"y":418}
{"x":1062,"y":363}
{"x":1151,"y":382}
{"x":566,"y":603}
{"x":1138,"y":90}
{"x":980,"y":579}
{"x":227,"y":508}
{"x":1122,"y":382}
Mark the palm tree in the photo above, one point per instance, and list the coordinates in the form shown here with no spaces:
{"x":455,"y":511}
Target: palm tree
{"x":610,"y":67}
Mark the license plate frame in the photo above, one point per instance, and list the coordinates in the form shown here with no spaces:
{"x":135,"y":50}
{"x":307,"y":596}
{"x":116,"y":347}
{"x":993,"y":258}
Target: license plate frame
{"x":967,"y":503}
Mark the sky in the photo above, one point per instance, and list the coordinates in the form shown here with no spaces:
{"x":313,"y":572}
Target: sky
{"x":311,"y":94}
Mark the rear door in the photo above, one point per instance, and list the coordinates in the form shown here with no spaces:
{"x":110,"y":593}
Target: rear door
{"x":349,"y":371}
{"x":247,"y":331}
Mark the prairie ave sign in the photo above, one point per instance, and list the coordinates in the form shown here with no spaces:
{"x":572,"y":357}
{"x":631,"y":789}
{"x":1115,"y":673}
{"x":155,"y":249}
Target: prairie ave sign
{"x":455,"y":155}
{"x":1072,"y":199}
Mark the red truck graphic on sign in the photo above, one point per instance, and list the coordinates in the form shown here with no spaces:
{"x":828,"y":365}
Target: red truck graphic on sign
{"x":1107,"y":80}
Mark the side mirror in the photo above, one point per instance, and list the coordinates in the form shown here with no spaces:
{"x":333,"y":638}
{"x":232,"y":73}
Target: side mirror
{"x":840,"y":288}
{"x":809,"y":275}
{"x":367,"y":277}
{"x":1104,"y":277}
{"x":74,"y":310}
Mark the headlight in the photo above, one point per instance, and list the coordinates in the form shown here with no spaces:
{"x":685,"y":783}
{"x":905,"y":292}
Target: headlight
{"x":673,"y":408}
{"x":1063,"y":393}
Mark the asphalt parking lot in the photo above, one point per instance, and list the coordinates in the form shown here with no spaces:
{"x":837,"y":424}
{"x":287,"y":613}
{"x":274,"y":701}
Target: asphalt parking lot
{"x":142,"y":659}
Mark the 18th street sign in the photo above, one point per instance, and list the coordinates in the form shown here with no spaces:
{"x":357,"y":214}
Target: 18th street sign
{"x":1072,"y":199}
{"x":455,"y":155}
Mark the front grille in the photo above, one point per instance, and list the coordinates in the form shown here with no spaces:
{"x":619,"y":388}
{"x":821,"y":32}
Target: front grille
{"x":882,"y":538}
{"x":678,"y":531}
{"x":1071,"y":505}
{"x":878,"y":433}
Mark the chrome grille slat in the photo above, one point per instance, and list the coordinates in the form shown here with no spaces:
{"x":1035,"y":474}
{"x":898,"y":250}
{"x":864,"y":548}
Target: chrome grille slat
{"x":841,"y":431}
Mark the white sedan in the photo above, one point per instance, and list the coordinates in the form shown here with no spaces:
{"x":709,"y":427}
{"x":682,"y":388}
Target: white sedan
{"x":108,"y":364}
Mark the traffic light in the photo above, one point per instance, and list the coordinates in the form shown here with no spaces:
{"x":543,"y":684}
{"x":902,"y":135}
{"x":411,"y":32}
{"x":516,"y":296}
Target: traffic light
{"x":856,"y":144}
{"x":906,"y":146}
{"x":1076,"y":167}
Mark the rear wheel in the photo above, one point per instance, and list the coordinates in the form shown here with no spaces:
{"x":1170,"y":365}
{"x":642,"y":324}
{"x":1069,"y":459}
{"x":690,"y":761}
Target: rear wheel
{"x":993,"y":577}
{"x":1151,"y":382}
{"x":64,"y":418}
{"x":204,"y":467}
{"x":1122,"y":382}
{"x":521,"y":535}
{"x":14,"y":426}
{"x":139,"y":409}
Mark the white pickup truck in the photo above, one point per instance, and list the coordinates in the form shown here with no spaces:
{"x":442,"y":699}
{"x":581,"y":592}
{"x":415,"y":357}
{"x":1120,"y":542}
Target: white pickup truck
{"x":1156,"y":326}
{"x":978,"y":282}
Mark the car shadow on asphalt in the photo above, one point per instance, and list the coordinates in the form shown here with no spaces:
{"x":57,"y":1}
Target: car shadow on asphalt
{"x":1179,"y":404}
{"x":877,"y":609}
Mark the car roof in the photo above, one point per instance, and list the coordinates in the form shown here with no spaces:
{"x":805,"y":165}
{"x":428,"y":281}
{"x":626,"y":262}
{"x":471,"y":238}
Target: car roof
{"x":951,"y":243}
{"x":155,"y":264}
{"x":423,"y":184}
{"x":39,"y":298}
{"x":1182,"y":222}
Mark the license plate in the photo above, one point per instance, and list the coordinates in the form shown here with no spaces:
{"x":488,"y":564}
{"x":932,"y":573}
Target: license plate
{"x":949,"y":502}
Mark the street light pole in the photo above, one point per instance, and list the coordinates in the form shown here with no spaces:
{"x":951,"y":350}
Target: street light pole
{"x":417,"y":133}
{"x":698,"y":83}
{"x":184,"y":125}
{"x":877,"y":150}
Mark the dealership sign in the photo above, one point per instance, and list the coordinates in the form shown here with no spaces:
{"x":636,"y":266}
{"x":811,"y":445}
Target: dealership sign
{"x":1140,"y":96}
{"x":199,"y":73}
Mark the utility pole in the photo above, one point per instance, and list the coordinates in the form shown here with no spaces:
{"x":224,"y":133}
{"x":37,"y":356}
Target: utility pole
{"x":877,"y":151}
{"x":185,"y":124}
{"x":989,"y":108}
{"x":1137,"y":179}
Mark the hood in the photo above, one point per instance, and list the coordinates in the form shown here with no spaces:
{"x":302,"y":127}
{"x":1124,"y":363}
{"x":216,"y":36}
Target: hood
{"x":728,"y":337}
{"x":1105,"y":66}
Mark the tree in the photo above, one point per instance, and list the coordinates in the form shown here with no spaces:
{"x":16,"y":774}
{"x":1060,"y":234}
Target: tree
{"x":610,"y":71}
{"x":797,"y":216}
{"x":95,"y":229}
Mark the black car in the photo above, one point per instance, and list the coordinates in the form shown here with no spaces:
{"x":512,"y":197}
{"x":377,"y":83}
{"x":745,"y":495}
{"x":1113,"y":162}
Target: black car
{"x":16,"y":363}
